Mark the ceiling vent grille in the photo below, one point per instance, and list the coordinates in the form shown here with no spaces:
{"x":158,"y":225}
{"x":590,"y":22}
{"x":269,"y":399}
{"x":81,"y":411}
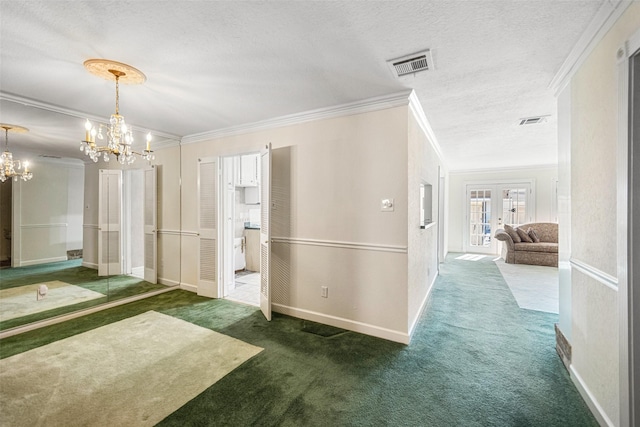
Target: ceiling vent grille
{"x":532,"y":120}
{"x":410,"y":64}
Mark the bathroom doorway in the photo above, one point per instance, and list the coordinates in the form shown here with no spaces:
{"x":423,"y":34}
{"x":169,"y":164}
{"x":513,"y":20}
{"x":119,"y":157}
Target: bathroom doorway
{"x":241,"y":233}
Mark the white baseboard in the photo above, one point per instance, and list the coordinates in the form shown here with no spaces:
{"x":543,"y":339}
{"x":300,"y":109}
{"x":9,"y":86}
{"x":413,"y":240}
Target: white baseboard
{"x":339,"y":322}
{"x":90,"y":265}
{"x":189,"y":287}
{"x":42,"y":261}
{"x":423,"y":304}
{"x":168,"y":282}
{"x":590,"y":399}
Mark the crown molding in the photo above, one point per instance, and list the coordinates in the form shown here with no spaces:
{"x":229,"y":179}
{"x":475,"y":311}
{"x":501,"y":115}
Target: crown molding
{"x":418,"y":113}
{"x":358,"y":107}
{"x":5,"y":96}
{"x":605,"y":18}
{"x":63,"y":161}
{"x":503,"y":169}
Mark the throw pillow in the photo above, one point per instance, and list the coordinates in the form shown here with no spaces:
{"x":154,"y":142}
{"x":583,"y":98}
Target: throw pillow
{"x":534,"y":236}
{"x":512,"y":233}
{"x":523,"y":235}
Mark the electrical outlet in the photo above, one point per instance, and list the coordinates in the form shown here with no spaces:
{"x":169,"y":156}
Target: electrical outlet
{"x":324,"y":292}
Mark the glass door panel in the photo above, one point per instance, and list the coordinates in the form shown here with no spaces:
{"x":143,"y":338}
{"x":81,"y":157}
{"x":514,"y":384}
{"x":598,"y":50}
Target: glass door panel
{"x":479,"y":214}
{"x":514,"y":205}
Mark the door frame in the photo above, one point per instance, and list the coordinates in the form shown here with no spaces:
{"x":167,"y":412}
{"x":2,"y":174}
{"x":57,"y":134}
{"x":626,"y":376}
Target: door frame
{"x":495,"y":185}
{"x":628,"y":199}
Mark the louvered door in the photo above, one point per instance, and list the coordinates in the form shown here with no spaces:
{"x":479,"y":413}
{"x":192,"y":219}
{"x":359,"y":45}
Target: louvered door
{"x":265,"y":232}
{"x":208,"y":227}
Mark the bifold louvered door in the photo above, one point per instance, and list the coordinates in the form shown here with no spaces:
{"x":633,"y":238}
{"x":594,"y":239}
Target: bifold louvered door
{"x":150,"y":225}
{"x":265,"y":231}
{"x":109,"y":222}
{"x":208,"y":227}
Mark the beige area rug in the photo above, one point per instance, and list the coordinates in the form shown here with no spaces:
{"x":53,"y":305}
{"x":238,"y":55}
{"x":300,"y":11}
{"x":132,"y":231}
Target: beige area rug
{"x":21,"y":301}
{"x":534,"y":287}
{"x":134,"y":372}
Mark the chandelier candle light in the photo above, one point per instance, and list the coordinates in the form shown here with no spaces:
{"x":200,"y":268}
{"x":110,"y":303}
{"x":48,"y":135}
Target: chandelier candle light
{"x":119,"y":135}
{"x":10,"y":168}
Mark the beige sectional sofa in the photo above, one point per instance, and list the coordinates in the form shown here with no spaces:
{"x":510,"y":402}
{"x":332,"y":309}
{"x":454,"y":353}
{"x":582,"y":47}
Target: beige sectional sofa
{"x":518,"y":250}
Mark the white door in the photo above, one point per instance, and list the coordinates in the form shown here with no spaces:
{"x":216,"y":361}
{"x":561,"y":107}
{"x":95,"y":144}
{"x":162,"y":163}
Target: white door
{"x":489,"y":207}
{"x":150,"y":224}
{"x":109,"y":222}
{"x":208,"y":227}
{"x":230,"y":165}
{"x":265,"y":231}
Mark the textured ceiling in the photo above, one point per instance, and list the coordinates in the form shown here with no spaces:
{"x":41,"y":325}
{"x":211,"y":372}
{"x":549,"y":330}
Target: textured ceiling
{"x":212,"y":65}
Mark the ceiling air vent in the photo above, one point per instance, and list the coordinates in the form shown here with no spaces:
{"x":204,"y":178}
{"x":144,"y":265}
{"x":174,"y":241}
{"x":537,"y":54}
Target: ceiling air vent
{"x":532,"y":120}
{"x":48,"y":156}
{"x":410,"y":64}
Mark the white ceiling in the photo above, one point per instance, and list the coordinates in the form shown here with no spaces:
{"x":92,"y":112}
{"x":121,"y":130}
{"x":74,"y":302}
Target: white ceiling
{"x":212,"y":65}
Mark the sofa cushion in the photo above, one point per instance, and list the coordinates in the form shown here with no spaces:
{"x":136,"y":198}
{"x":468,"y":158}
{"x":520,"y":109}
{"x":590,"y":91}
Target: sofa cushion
{"x":524,"y":236}
{"x":512,"y":233}
{"x":534,"y":236}
{"x":537,"y":247}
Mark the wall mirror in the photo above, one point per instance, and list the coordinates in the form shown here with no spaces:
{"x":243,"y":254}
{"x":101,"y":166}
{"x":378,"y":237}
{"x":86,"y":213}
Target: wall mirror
{"x":426,"y":205}
{"x":80,"y":234}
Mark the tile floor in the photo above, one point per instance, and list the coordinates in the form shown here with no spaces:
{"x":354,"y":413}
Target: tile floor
{"x":247,"y":288}
{"x":533,"y":286}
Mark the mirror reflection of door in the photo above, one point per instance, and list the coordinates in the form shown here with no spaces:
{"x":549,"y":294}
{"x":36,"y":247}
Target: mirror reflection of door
{"x":110,"y":222}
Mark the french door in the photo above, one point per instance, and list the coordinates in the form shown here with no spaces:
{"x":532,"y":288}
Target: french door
{"x":489,"y":207}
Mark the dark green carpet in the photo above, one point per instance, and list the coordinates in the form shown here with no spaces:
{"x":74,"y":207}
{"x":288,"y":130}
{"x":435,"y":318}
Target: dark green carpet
{"x":72,"y":272}
{"x":476,"y":359}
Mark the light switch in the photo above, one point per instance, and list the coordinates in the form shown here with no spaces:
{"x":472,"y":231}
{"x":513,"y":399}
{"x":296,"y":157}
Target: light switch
{"x":387,"y":205}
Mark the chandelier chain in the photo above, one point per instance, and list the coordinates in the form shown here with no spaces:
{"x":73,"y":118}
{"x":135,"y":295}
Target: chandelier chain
{"x":117,"y":95}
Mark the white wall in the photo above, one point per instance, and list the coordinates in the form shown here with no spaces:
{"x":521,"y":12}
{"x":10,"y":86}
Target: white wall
{"x":47,"y":212}
{"x":543,"y":178}
{"x":330,"y":176}
{"x":423,"y":167}
{"x":169,"y":196}
{"x":594,"y":305}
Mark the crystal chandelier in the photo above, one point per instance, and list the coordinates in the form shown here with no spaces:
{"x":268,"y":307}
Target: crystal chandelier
{"x":10,"y":168}
{"x":119,"y":136}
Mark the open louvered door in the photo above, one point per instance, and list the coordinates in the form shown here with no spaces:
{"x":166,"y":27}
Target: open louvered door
{"x":150,"y":224}
{"x":265,"y":231}
{"x":109,"y":222}
{"x":208,"y":227}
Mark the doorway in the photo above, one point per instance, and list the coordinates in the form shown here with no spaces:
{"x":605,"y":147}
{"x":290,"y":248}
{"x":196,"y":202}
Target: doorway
{"x":241,"y":199}
{"x":490,"y":206}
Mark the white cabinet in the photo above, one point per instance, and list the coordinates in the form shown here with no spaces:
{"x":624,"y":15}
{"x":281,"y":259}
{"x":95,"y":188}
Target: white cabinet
{"x":247,"y":170}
